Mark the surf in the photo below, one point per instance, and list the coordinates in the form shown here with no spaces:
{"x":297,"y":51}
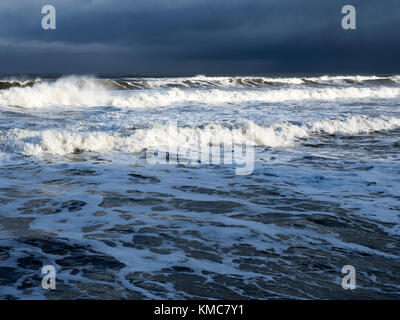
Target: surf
{"x":82,"y":92}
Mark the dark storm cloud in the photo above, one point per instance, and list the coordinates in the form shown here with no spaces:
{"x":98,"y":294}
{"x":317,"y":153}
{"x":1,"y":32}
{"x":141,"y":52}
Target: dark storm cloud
{"x":175,"y":36}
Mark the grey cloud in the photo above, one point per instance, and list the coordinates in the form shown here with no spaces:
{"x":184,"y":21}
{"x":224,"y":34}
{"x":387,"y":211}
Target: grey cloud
{"x":200,"y":35}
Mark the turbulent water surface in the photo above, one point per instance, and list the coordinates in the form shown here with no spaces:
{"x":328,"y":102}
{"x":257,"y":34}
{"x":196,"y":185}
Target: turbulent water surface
{"x":77,"y":189}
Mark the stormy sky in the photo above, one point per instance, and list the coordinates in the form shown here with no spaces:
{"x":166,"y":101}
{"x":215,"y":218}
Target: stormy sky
{"x":199,"y":36}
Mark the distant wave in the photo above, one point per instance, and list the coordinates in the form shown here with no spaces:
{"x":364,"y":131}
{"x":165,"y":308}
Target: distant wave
{"x":219,"y":82}
{"x":61,"y":142}
{"x":88,"y":92}
{"x":245,"y":82}
{"x":7,"y":84}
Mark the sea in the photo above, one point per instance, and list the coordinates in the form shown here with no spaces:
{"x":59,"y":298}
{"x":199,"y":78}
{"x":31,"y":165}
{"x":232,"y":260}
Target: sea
{"x":200,"y":187}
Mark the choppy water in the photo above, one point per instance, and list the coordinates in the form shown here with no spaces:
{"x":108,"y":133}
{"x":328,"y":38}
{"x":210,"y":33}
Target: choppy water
{"x":77,"y":190}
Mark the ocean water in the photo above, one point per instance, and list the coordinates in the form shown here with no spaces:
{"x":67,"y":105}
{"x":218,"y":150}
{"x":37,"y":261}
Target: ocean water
{"x":80,"y":189}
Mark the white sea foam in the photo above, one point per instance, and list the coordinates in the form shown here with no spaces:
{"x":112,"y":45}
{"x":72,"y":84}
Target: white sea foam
{"x":356,"y":78}
{"x":69,"y":91}
{"x":20,"y":82}
{"x":233,"y":82}
{"x":354,"y":125}
{"x":226,"y":82}
{"x":161,"y":136}
{"x":83,"y":92}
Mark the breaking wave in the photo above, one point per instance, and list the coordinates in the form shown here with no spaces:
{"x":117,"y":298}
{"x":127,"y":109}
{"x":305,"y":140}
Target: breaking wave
{"x":245,"y":82}
{"x":87,"y":92}
{"x":7,"y":84}
{"x":161,"y":136}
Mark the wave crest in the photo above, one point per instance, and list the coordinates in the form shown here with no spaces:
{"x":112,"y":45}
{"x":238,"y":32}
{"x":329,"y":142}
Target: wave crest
{"x":87,"y":92}
{"x":161,"y":136}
